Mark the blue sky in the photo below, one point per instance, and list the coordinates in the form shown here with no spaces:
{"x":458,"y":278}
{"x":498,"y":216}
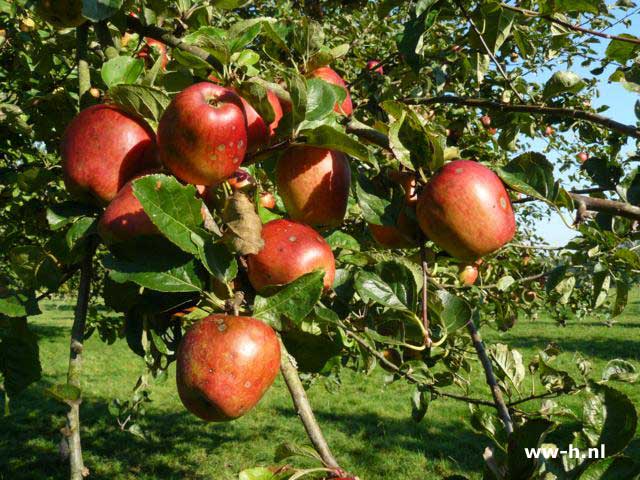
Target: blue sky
{"x":621,"y":107}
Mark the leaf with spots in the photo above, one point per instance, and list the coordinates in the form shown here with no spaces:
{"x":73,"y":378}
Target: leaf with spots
{"x":244,"y":227}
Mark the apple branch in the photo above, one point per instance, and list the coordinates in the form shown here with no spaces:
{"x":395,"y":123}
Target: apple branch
{"x":570,"y":26}
{"x":500,"y":405}
{"x":303,"y":407}
{"x":72,"y":431}
{"x":629,"y":130}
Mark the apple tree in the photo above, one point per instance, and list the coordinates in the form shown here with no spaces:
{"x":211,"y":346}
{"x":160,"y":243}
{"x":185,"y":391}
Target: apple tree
{"x":310,"y":186}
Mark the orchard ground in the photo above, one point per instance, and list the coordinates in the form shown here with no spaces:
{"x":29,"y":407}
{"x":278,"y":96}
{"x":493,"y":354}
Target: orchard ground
{"x":367,"y":423}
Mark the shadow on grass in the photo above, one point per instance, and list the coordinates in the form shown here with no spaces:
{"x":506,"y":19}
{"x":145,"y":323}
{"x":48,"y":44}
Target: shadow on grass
{"x":596,"y":347}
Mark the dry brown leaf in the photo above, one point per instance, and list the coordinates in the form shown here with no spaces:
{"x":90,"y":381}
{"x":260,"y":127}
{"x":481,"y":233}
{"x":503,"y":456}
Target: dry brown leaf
{"x":244,"y":227}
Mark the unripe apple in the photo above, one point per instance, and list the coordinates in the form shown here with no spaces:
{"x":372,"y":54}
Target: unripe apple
{"x":330,"y":76}
{"x":466,"y":210}
{"x":267,"y":200}
{"x":582,"y":157}
{"x":224,"y":366}
{"x":259,"y":133}
{"x":202,"y":135}
{"x":314,"y":184}
{"x":374,"y":65}
{"x":241,"y":180}
{"x":102,"y":148}
{"x":486,"y":121}
{"x":61,"y":13}
{"x":291,"y":249}
{"x":468,"y":274}
{"x":124,"y":218}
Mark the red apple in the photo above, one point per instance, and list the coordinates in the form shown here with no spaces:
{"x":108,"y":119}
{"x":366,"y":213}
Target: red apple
{"x":61,"y":13}
{"x":267,"y":200}
{"x":225,"y":364}
{"x":258,"y":132}
{"x":103,"y":148}
{"x":314,"y":184}
{"x":468,"y":274}
{"x":124,"y":218}
{"x":403,"y":235}
{"x":241,"y":180}
{"x":486,"y":121}
{"x":408,"y":182}
{"x":374,"y":65}
{"x":582,"y":157}
{"x":466,"y":210}
{"x":330,"y":76}
{"x":202,"y":135}
{"x":144,"y":52}
{"x":549,"y":131}
{"x":291,"y":249}
{"x":456,"y":48}
{"x":492,"y":130}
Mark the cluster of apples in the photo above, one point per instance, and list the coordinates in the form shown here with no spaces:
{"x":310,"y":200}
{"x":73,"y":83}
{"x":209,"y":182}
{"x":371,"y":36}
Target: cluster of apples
{"x":225,"y":363}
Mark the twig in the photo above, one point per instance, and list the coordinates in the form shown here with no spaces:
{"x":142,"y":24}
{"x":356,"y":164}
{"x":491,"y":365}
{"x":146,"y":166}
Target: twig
{"x":533,"y":247}
{"x":575,"y":28}
{"x":488,"y":50}
{"x":425,"y":283}
{"x":491,"y":379}
{"x":303,"y":407}
{"x":609,"y":123}
{"x":77,"y":468}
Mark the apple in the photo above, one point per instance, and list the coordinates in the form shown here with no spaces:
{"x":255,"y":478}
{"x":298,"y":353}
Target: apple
{"x":258,"y":132}
{"x":374,"y":65}
{"x":514,"y":56}
{"x":267,"y":200}
{"x":582,"y":157}
{"x":27,"y":25}
{"x":202,"y":135}
{"x":549,"y":131}
{"x":241,"y":180}
{"x":102,"y":149}
{"x":456,"y":48}
{"x":224,"y":366}
{"x":94,"y":92}
{"x":124,"y":218}
{"x":530,"y":296}
{"x":466,"y":210}
{"x":408,"y":182}
{"x":492,"y":130}
{"x":526,"y":259}
{"x":330,"y":76}
{"x":468,"y":274}
{"x":61,"y":13}
{"x":144,"y":52}
{"x":291,"y":249}
{"x":314,"y":185}
{"x":486,"y":121}
{"x":403,"y":235}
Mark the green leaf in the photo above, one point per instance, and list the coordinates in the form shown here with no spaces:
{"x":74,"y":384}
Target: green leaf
{"x":62,"y":214}
{"x":288,"y":450}
{"x":615,"y":468}
{"x":375,"y":209}
{"x":620,"y":51}
{"x":257,"y":473}
{"x":454,"y":313}
{"x":97,"y":10}
{"x":294,"y":301}
{"x":17,"y":304}
{"x":400,"y":279}
{"x":64,"y":392}
{"x":321,"y":99}
{"x":19,"y":355}
{"x":371,"y":287}
{"x":532,"y":174}
{"x":219,"y":261}
{"x":419,"y":403}
{"x":411,"y":43}
{"x":495,"y":26}
{"x":590,"y":6}
{"x":174,"y":209}
{"x":621,"y":370}
{"x":35,"y":267}
{"x":160,"y":273}
{"x":255,"y":93}
{"x":144,"y":101}
{"x":339,"y":239}
{"x":121,"y":70}
{"x":527,"y":436}
{"x":328,"y":137}
{"x":563,"y":82}
{"x":399,"y":150}
{"x":505,"y":282}
{"x":610,"y":418}
{"x":622,"y":297}
{"x":81,"y":229}
{"x":508,"y":362}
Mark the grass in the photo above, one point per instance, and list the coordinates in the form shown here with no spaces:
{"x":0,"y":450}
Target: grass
{"x":367,"y":423}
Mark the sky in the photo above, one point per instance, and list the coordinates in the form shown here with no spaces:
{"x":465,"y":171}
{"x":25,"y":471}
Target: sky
{"x":621,"y":107}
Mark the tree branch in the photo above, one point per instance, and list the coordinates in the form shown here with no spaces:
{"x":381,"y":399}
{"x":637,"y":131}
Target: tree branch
{"x":491,"y":379}
{"x":77,"y":468}
{"x":575,"y":28}
{"x":303,"y":407}
{"x":613,"y":125}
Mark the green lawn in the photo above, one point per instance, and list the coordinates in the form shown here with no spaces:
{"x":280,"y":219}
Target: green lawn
{"x":367,"y":424}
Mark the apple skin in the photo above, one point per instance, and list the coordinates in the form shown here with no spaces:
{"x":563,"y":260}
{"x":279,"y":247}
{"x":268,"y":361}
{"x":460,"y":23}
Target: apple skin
{"x":124,"y":218}
{"x":259,"y":133}
{"x":582,"y":157}
{"x":267,"y":200}
{"x":466,"y":210}
{"x":225,"y":364}
{"x":486,"y":121}
{"x":468,"y":275}
{"x":314,"y":184}
{"x":403,"y":235}
{"x":202,"y":135}
{"x":102,"y":149}
{"x":61,"y":13}
{"x":374,"y":66}
{"x":150,"y":43}
{"x":291,"y":249}
{"x":330,"y":76}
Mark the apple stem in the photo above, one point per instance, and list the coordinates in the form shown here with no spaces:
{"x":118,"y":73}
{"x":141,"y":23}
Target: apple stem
{"x":72,"y":431}
{"x":303,"y":407}
{"x":425,"y":282}
{"x":501,"y":406}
